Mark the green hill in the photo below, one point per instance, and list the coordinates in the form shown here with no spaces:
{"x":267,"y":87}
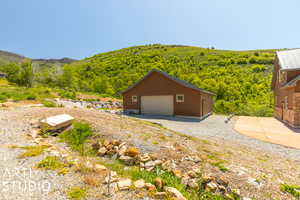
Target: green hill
{"x":240,"y":79}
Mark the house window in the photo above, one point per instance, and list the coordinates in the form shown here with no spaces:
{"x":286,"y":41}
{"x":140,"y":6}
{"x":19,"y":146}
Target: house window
{"x":134,"y":99}
{"x":179,"y":98}
{"x":286,"y":102}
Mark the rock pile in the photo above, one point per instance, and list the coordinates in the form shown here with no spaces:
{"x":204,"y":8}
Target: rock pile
{"x":132,"y":156}
{"x":89,"y":104}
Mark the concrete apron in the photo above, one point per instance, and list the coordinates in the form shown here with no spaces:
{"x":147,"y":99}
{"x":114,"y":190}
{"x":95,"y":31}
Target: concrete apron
{"x":268,"y":129}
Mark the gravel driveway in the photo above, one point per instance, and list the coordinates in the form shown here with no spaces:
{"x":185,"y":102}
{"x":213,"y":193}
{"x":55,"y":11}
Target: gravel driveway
{"x":214,"y":128}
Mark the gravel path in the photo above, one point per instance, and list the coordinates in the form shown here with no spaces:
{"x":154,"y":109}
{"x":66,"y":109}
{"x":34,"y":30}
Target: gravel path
{"x":214,"y":128}
{"x":18,"y":178}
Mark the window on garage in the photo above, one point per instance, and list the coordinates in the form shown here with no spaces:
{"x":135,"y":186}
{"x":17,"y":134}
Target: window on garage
{"x":179,"y":98}
{"x":134,"y":99}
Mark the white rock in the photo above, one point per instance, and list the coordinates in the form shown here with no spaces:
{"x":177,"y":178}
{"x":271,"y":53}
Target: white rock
{"x":100,"y":168}
{"x":212,"y":186}
{"x":124,"y":184}
{"x":174,"y":193}
{"x":102,"y":151}
{"x":193,"y":183}
{"x":139,"y":183}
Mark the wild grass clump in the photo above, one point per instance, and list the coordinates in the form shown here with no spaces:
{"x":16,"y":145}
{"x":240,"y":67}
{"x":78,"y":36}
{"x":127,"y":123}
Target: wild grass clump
{"x":32,"y":151}
{"x":49,"y":104}
{"x":51,"y":163}
{"x":77,"y":136}
{"x":77,"y":193}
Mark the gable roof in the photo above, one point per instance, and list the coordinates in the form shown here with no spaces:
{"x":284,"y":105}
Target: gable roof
{"x":289,"y":59}
{"x":179,"y":81}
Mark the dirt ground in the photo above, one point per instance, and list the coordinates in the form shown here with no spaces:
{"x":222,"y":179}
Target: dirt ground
{"x":257,"y":174}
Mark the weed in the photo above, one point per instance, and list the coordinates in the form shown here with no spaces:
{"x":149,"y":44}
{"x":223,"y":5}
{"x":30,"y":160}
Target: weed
{"x":32,"y":151}
{"x":77,"y":136}
{"x":293,"y":190}
{"x":77,"y":193}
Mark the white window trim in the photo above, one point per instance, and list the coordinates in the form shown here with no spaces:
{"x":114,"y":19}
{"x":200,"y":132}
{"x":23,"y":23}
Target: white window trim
{"x":179,"y":101}
{"x":134,"y":99}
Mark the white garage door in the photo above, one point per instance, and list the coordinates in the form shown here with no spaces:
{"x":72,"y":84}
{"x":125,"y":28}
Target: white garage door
{"x":157,"y":105}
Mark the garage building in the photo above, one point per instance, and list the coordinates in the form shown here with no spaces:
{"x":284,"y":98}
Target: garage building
{"x":158,"y":93}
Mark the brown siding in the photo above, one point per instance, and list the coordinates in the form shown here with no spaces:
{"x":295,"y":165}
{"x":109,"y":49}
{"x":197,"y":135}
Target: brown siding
{"x":291,"y":115}
{"x":157,"y":84}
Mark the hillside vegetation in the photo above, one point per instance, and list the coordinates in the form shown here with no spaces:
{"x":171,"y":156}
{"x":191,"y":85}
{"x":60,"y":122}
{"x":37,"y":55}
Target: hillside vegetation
{"x":240,"y":79}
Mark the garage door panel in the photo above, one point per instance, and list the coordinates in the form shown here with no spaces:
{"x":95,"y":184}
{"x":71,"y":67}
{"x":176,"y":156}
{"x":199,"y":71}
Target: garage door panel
{"x":157,"y":105}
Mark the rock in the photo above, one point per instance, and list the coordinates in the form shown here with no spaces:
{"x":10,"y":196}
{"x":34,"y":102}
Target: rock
{"x":144,"y":158}
{"x":102,"y":151}
{"x":113,"y":187}
{"x":222,"y":181}
{"x":115,"y":142}
{"x":139,"y":183}
{"x":174,"y":193}
{"x":89,"y":165}
{"x":211,"y":186}
{"x":166,"y":165}
{"x":105,"y":143}
{"x":192,"y":174}
{"x":207,"y":179}
{"x":100,"y":168}
{"x":158,"y":182}
{"x":185,"y":180}
{"x":97,"y":145}
{"x":34,"y":133}
{"x":158,"y":162}
{"x":193,"y":183}
{"x":160,"y":195}
{"x":150,"y":165}
{"x":177,"y":173}
{"x":127,"y":160}
{"x":124,"y":184}
{"x":150,"y":187}
{"x":122,"y":150}
{"x":132,"y":152}
{"x":222,"y":189}
{"x":112,"y":178}
{"x":246,"y":198}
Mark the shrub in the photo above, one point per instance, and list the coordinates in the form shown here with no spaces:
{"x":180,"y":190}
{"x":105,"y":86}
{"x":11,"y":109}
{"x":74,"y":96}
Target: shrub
{"x":77,"y":136}
{"x":3,"y":98}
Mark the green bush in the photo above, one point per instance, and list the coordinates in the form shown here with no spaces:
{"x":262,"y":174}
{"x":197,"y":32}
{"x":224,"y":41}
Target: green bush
{"x":77,"y":136}
{"x":3,"y":98}
{"x":49,"y":104}
{"x":294,"y":190}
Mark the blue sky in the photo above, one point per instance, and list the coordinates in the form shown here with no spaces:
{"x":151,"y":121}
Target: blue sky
{"x":82,"y":28}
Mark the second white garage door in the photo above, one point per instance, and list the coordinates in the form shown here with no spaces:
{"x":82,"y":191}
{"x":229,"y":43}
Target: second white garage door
{"x":157,"y":105}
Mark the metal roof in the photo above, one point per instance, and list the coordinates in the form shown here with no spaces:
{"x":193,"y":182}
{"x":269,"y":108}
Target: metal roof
{"x":292,"y":83}
{"x":181,"y":82}
{"x":289,"y":59}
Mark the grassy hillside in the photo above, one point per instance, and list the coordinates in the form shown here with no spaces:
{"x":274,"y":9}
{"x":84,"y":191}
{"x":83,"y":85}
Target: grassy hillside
{"x":240,"y":79}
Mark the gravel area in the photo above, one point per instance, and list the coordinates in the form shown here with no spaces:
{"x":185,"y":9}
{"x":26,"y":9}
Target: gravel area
{"x":214,"y":128}
{"x":19,"y":180}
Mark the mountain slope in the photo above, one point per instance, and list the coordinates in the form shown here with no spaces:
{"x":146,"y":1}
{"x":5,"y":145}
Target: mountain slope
{"x":240,"y":79}
{"x":7,"y":57}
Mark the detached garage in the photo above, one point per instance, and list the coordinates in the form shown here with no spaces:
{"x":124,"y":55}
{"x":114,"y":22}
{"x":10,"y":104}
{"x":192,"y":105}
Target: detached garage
{"x":158,"y":93}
